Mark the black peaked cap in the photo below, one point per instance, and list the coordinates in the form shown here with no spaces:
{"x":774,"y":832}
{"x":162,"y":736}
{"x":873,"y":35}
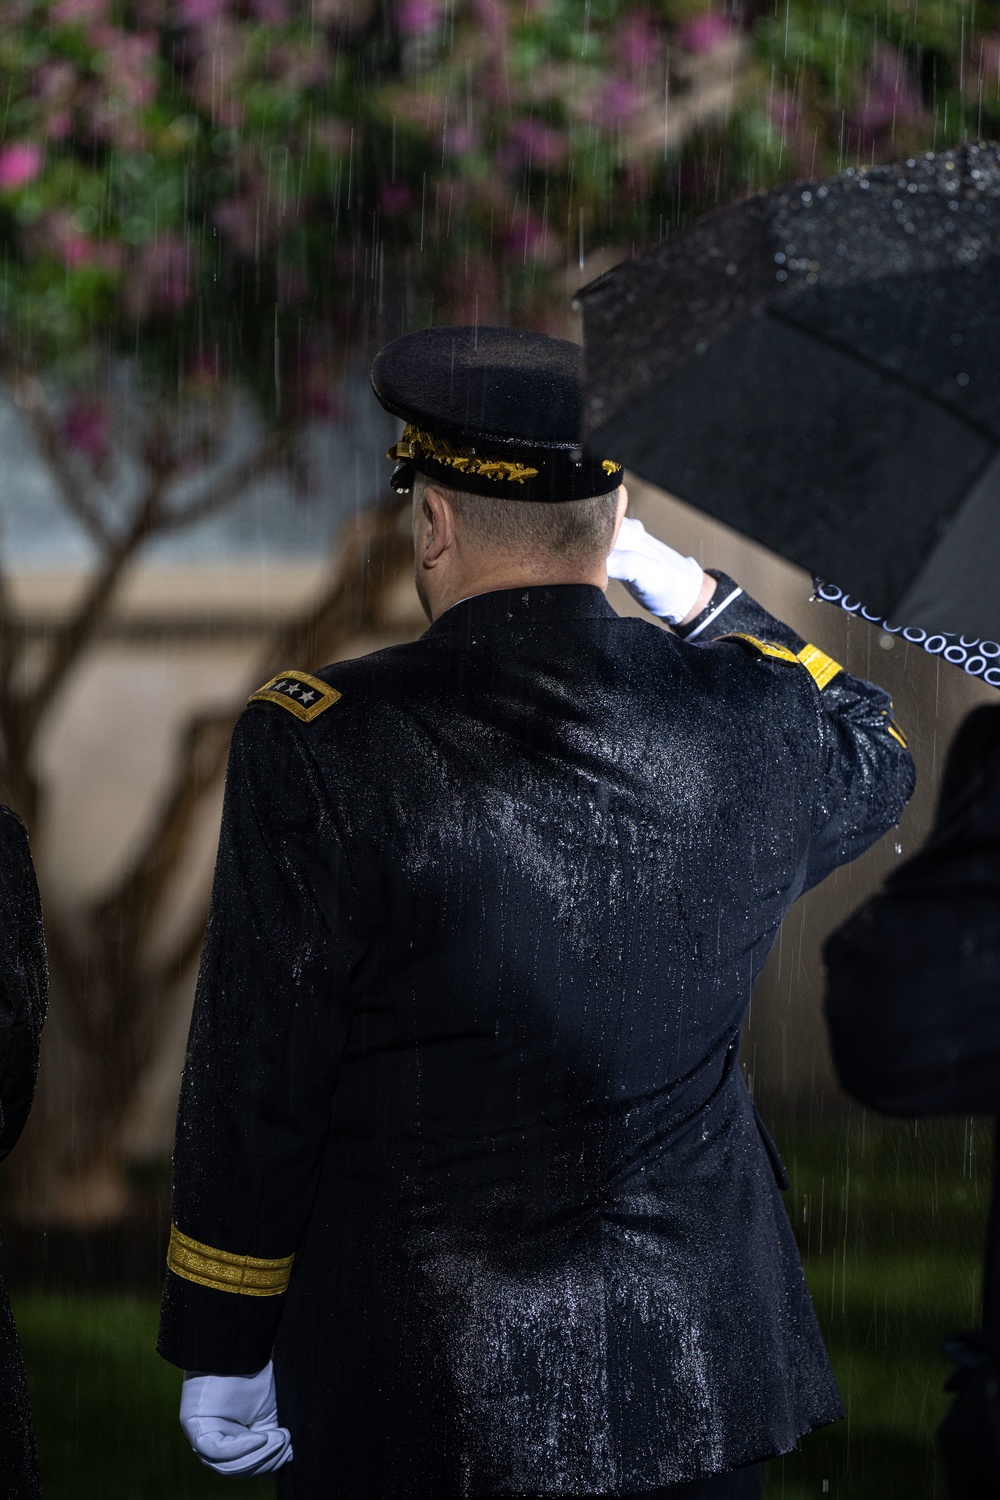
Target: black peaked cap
{"x":494,"y":411}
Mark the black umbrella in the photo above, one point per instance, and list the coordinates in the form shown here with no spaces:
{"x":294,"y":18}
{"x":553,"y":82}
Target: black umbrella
{"x":820,"y":369}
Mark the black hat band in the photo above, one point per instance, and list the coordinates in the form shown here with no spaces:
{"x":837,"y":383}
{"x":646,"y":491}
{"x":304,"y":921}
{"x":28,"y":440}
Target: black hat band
{"x":539,"y":475}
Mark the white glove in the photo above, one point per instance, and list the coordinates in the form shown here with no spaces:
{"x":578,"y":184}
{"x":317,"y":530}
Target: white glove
{"x":663,"y":581}
{"x":231,"y":1422}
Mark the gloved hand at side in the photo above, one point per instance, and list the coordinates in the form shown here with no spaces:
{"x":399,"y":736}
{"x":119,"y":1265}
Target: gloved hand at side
{"x":231,"y":1422}
{"x":663,"y":581}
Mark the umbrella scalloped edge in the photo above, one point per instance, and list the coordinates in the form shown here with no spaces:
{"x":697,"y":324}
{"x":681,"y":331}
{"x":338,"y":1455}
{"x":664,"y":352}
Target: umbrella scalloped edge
{"x":975,"y":657}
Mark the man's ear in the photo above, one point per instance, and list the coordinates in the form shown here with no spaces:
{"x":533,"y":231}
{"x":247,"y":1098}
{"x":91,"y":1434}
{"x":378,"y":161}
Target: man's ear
{"x":440,"y":519}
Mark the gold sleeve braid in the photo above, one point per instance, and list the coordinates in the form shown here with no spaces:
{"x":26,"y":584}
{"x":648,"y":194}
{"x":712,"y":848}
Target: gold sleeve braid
{"x":247,"y":1275}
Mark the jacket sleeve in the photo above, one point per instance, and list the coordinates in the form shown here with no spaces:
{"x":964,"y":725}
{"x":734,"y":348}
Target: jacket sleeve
{"x":913,"y":997}
{"x":24,"y":984}
{"x":270,"y":1022}
{"x":862,"y":773}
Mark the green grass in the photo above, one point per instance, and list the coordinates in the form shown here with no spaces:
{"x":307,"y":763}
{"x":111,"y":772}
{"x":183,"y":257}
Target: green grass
{"x":106,"y":1405}
{"x":890,"y":1219}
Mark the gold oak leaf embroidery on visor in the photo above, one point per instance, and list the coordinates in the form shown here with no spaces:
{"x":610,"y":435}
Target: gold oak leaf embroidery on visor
{"x":247,"y":1275}
{"x":304,"y":696}
{"x":467,"y":460}
{"x":464,"y":460}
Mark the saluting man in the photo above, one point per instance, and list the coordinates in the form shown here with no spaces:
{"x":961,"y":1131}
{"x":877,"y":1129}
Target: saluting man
{"x":463,"y":1145}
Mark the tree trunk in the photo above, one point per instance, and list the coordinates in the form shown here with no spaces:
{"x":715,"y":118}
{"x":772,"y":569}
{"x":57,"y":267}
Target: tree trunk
{"x":110,"y":1001}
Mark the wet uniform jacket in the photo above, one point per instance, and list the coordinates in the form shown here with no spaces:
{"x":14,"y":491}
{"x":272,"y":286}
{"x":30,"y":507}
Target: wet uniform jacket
{"x":23,"y":998}
{"x":462,"y":1131}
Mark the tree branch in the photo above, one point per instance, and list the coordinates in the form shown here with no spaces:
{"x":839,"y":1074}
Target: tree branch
{"x":371,"y":552}
{"x":231,"y":484}
{"x":11,"y":636}
{"x":71,"y":487}
{"x":69,"y":639}
{"x":132,"y":905}
{"x":185,"y":951}
{"x":114,"y":990}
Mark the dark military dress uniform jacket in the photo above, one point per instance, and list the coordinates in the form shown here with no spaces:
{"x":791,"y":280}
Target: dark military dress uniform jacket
{"x":23,"y":999}
{"x":462,"y":1134}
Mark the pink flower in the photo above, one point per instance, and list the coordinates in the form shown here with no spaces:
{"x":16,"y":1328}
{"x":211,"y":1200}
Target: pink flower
{"x":170,"y":265}
{"x":418,"y":17}
{"x":395,"y":198}
{"x":59,"y":125}
{"x":203,"y":371}
{"x":319,"y":400}
{"x":527,"y":236}
{"x":637,"y":43}
{"x":86,"y":428}
{"x":77,"y":250}
{"x":55,"y":80}
{"x":200,"y":12}
{"x":300,"y":67}
{"x":784,"y":113}
{"x":240,"y":219}
{"x":20,"y":163}
{"x":537,"y":143}
{"x":462,"y":140}
{"x":128,"y":63}
{"x":890,"y":95}
{"x":617,"y":102}
{"x":164,"y":277}
{"x":475,"y":293}
{"x":989,"y":60}
{"x":71,"y":12}
{"x":57,"y":234}
{"x":704,"y":34}
{"x":491,"y":17}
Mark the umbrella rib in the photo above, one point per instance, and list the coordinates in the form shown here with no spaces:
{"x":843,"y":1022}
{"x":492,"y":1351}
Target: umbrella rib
{"x":864,"y":359}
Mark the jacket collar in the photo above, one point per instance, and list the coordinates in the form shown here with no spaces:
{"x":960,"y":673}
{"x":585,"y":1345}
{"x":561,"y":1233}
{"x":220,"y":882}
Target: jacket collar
{"x":510,"y":608}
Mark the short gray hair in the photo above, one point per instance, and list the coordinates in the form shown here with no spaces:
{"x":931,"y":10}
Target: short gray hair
{"x":580,"y":531}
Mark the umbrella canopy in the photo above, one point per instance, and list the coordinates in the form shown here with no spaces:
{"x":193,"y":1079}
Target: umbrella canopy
{"x":820,"y":369}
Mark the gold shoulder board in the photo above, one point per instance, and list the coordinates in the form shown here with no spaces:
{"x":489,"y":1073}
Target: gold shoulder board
{"x":304,"y":696}
{"x":821,"y":668}
{"x":764,"y":648}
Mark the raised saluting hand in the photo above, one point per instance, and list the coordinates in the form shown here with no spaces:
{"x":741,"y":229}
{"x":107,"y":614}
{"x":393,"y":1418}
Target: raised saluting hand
{"x":662,"y":581}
